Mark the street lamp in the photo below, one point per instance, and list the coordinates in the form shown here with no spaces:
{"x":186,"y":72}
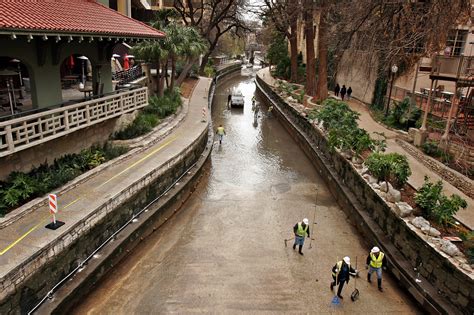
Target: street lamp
{"x":394,"y":70}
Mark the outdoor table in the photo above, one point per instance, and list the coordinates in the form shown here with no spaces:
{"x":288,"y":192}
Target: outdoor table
{"x":87,"y":92}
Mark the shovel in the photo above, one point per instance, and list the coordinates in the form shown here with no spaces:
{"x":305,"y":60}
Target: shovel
{"x":355,"y":293}
{"x":286,"y":241}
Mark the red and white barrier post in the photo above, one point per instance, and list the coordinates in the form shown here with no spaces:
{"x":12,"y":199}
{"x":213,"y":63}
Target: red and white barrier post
{"x":53,"y":209}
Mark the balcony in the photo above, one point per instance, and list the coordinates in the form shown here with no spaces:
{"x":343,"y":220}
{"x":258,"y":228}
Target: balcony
{"x":458,"y":69}
{"x":127,"y":76}
{"x":25,"y":132}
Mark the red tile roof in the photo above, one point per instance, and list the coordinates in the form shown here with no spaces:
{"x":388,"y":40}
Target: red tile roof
{"x":70,"y":16}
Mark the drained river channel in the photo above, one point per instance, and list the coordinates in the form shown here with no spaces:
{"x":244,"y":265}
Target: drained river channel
{"x":224,"y":252}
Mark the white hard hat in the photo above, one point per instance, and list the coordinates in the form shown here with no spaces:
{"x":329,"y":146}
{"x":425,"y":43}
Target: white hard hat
{"x":347,"y":260}
{"x":375,"y":250}
{"x":306,"y":221}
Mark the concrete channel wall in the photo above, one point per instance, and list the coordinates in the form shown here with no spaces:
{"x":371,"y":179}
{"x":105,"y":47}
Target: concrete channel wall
{"x":61,"y":257}
{"x":444,"y":288}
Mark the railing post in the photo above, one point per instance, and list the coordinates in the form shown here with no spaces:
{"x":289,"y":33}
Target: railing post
{"x":121,"y":103}
{"x":66,"y":119}
{"x":9,"y":136}
{"x":88,"y":115}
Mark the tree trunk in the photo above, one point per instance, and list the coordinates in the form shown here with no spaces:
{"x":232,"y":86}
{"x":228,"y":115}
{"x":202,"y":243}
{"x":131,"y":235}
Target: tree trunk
{"x":322,"y":86}
{"x":310,"y":87}
{"x":294,"y":50}
{"x":173,"y":72}
{"x":158,"y":78}
{"x":182,"y":76}
{"x":205,"y":59}
{"x":165,"y":68}
{"x":161,"y":90}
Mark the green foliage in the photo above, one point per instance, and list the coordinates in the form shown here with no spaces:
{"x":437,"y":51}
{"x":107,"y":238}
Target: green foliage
{"x":403,"y":115}
{"x":300,"y":97}
{"x":428,"y":195}
{"x":278,"y":49}
{"x":158,"y":108}
{"x":431,"y":148}
{"x":143,"y":124}
{"x":378,"y":101}
{"x":447,"y":207}
{"x":391,"y":167}
{"x":335,"y":113}
{"x":209,"y":71}
{"x":21,"y":187}
{"x":435,"y":204}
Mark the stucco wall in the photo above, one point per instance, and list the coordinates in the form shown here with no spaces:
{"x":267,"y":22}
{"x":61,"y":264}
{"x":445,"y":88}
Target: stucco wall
{"x":358,"y":71}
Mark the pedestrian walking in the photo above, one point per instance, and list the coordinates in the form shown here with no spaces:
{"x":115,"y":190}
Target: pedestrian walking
{"x":220,"y":133}
{"x":341,"y":273}
{"x":343,"y":92}
{"x":229,"y":98}
{"x":301,"y":230}
{"x":349,"y":92}
{"x":376,"y":261}
{"x":337,"y":89}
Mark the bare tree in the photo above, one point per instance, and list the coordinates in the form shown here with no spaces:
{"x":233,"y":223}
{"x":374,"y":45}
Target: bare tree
{"x":308,"y":17}
{"x":213,"y":18}
{"x":284,"y":16}
{"x":397,"y":31}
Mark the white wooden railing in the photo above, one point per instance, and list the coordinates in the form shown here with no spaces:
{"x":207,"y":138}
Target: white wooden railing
{"x":25,"y":132}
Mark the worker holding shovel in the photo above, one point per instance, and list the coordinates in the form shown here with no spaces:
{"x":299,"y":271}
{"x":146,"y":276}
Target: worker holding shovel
{"x":341,"y":273}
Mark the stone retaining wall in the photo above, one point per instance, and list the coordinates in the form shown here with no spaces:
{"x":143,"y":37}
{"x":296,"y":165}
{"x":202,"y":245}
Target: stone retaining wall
{"x":444,"y":288}
{"x":459,"y":181}
{"x":28,"y":283}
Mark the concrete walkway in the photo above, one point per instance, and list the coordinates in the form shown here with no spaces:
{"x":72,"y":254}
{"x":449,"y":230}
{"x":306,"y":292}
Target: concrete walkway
{"x":466,"y":216}
{"x":27,"y":237}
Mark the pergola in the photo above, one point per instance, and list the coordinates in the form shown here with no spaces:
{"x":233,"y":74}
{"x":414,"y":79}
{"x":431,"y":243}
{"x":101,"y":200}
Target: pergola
{"x":42,"y":34}
{"x":461,"y":72}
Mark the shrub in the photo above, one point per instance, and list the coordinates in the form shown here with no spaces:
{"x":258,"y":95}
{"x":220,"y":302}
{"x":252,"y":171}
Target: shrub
{"x":431,"y":148}
{"x":391,"y":167}
{"x":21,"y":187}
{"x":141,"y":125}
{"x":436,"y":205}
{"x":403,"y":115}
{"x":335,"y":113}
{"x":428,"y":195}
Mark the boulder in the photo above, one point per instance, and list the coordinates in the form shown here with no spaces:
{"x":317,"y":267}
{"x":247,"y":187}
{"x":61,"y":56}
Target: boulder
{"x":347,"y":154}
{"x":431,"y":231}
{"x":385,"y":186}
{"x":357,"y":160}
{"x":420,"y":222}
{"x":449,"y":248}
{"x":370,"y":179}
{"x":393,"y":195}
{"x":403,"y":209}
{"x":364,"y":170}
{"x":375,"y":186}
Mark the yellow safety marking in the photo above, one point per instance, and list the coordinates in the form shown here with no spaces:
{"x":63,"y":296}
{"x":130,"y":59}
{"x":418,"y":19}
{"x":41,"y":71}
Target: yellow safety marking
{"x":6,"y":249}
{"x":72,"y":202}
{"x":139,"y":161}
{"x":19,"y":239}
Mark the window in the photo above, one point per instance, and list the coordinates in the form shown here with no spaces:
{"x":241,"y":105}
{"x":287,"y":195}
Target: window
{"x":455,"y":43}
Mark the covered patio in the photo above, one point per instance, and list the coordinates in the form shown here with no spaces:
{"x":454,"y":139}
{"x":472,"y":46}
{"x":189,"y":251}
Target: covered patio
{"x":58,"y":52}
{"x":57,"y":69}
